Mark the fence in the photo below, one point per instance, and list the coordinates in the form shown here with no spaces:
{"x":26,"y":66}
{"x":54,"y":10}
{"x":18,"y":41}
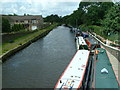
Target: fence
{"x":114,"y":51}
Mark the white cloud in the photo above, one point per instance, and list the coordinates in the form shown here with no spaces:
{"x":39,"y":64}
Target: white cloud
{"x":29,"y":1}
{"x":40,"y":1}
{"x":7,"y":1}
{"x":14,"y":10}
{"x":22,"y":8}
{"x":44,"y":7}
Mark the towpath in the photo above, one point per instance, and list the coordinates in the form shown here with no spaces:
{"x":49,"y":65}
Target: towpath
{"x":115,"y":64}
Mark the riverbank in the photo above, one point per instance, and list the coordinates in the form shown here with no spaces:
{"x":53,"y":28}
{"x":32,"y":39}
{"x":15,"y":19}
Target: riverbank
{"x":112,"y":38}
{"x":114,"y":51}
{"x":23,"y":42}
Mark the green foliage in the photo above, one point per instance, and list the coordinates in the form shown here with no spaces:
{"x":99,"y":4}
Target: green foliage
{"x":97,"y":29}
{"x":75,"y":18}
{"x":89,"y":13}
{"x":25,"y":14}
{"x":53,"y":18}
{"x":17,"y":27}
{"x":15,"y":14}
{"x":100,"y":30}
{"x":111,"y":22}
{"x":21,"y":38}
{"x":102,"y":18}
{"x":5,"y":25}
{"x":95,"y":11}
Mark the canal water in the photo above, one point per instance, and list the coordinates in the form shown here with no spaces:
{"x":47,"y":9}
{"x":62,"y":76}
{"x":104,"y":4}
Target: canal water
{"x":40,"y":64}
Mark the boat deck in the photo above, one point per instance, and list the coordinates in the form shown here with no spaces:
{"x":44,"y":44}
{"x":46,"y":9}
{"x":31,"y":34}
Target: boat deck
{"x":92,"y":40}
{"x":73,"y":75}
{"x":80,"y":43}
{"x":115,"y":64}
{"x":104,"y":80}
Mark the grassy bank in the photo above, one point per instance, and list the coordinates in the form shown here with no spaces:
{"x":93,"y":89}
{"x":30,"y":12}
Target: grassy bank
{"x":21,"y":38}
{"x":100,"y":31}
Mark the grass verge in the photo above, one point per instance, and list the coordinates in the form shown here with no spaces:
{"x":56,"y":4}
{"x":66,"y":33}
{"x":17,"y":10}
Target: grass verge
{"x":100,"y":31}
{"x":6,"y":46}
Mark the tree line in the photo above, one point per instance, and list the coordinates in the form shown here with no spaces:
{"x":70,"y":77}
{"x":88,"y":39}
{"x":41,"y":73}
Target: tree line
{"x":53,"y":18}
{"x":105,"y":14}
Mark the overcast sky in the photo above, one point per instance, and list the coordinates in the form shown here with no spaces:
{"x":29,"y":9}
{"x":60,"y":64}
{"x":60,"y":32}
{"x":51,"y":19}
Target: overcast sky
{"x":39,"y":7}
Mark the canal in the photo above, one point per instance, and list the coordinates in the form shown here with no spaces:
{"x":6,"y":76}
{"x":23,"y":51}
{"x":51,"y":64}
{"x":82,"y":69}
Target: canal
{"x":41,"y":63}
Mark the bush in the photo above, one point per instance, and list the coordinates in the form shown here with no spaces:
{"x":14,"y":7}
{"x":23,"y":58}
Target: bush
{"x":5,"y":25}
{"x":17,"y":27}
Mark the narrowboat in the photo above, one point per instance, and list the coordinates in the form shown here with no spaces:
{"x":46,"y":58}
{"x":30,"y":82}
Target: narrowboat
{"x":85,"y":34}
{"x":75,"y":74}
{"x":80,"y":43}
{"x":103,"y":74}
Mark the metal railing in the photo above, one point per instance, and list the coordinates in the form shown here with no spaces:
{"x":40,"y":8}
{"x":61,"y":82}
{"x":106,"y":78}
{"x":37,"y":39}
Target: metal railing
{"x":114,"y":51}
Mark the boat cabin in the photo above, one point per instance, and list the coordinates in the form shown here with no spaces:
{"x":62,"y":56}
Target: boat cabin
{"x":81,"y":44}
{"x":74,"y":74}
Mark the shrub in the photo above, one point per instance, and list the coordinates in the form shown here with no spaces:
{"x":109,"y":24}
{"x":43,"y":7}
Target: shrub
{"x":5,"y":25}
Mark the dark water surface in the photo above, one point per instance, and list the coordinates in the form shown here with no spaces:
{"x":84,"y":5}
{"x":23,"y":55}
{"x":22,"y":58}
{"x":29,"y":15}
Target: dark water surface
{"x":40,"y":64}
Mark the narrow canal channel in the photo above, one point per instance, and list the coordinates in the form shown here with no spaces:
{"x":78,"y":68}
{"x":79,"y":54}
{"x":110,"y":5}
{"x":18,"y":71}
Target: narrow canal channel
{"x":40,"y":64}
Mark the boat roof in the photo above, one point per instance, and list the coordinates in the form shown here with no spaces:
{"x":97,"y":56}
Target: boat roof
{"x":81,"y":41}
{"x":104,"y":80}
{"x":74,"y":73}
{"x":85,"y":33}
{"x":92,"y":40}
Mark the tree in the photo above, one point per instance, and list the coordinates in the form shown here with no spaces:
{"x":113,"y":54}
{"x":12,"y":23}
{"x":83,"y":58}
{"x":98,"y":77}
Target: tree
{"x":88,"y":13}
{"x":17,"y":27}
{"x":25,"y":14}
{"x":53,"y":18}
{"x":94,"y":11}
{"x":111,"y":22}
{"x":75,"y":19}
{"x":15,"y":14}
{"x":5,"y":25}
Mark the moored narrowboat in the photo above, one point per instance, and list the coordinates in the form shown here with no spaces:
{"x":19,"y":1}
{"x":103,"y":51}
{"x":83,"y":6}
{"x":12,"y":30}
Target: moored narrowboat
{"x":75,"y":74}
{"x":80,"y":43}
{"x":103,"y":76}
